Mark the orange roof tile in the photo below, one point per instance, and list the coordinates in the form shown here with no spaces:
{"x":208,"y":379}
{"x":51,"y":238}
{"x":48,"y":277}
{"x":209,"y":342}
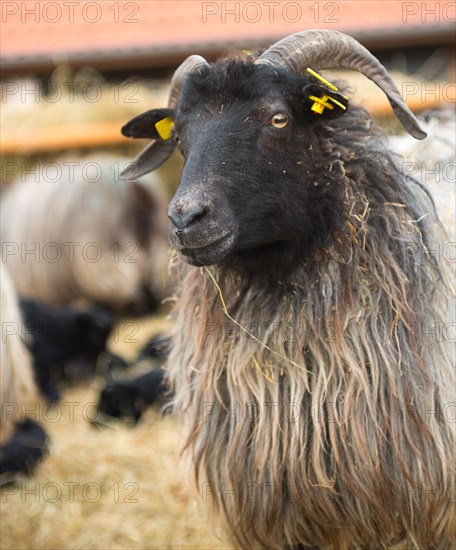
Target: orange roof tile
{"x":153,"y":32}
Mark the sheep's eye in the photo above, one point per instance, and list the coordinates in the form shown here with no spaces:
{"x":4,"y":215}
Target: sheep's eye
{"x":176,"y":139}
{"x":279,"y":120}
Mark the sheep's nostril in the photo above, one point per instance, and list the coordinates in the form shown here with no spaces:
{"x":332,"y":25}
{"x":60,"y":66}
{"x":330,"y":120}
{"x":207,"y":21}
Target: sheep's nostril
{"x":183,"y":218}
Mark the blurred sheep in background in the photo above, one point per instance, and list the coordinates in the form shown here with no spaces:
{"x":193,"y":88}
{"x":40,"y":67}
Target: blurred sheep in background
{"x":87,"y":237}
{"x":65,"y":343}
{"x":432,"y":162}
{"x":23,"y":443}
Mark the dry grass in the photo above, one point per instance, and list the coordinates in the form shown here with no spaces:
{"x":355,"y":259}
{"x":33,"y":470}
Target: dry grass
{"x":130,"y":489}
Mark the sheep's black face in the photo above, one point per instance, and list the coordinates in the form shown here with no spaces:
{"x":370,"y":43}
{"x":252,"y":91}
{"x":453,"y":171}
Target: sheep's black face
{"x":251,"y":183}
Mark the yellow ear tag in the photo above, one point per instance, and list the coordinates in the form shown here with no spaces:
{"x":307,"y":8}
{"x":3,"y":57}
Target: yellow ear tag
{"x":321,"y":79}
{"x":320,"y":104}
{"x":164,"y":127}
{"x":338,"y":103}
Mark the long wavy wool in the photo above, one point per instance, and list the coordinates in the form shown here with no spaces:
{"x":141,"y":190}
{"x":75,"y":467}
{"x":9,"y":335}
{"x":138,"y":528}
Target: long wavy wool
{"x":89,"y":237}
{"x":327,"y":420}
{"x":17,"y":388}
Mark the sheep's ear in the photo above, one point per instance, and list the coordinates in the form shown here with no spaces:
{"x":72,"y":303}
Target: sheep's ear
{"x":324,"y":103}
{"x":155,"y":124}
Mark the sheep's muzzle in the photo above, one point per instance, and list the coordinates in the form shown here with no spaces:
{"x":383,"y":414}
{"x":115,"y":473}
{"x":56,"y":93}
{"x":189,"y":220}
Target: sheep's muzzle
{"x":199,"y":235}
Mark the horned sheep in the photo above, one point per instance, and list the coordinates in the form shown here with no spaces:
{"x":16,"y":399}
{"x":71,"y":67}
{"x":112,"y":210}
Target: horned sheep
{"x":306,"y":361}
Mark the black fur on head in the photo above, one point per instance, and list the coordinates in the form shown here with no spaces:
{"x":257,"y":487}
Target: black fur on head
{"x":257,"y":179}
{"x":265,"y":177}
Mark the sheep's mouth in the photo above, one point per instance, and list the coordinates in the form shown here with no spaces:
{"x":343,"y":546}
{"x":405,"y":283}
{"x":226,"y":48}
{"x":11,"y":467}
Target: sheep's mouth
{"x":209,"y":254}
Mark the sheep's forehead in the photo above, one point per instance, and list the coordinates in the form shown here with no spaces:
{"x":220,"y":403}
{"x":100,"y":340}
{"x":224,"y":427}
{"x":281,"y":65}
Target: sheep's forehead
{"x":234,"y":82}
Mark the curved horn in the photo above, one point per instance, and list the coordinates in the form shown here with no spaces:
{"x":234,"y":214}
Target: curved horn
{"x":155,"y":154}
{"x":324,"y":49}
{"x":192,"y":64}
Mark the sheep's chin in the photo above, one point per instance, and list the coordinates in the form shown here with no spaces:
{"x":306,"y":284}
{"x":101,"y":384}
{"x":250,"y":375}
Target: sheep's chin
{"x":210,"y":254}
